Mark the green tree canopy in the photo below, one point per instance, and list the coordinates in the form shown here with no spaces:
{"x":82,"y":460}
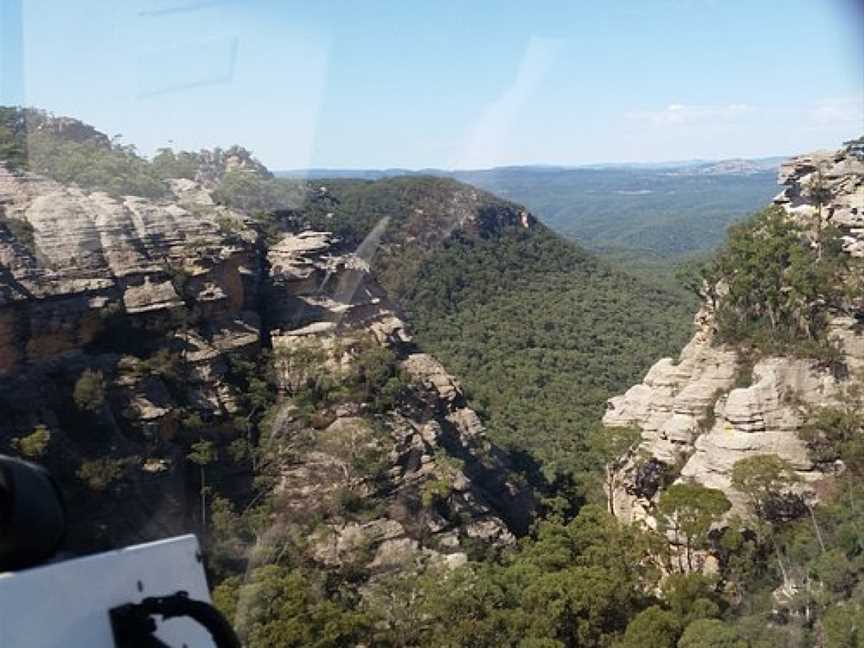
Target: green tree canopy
{"x":691,"y":509}
{"x":277,"y":606}
{"x":654,"y":627}
{"x":89,"y":392}
{"x":763,"y":479}
{"x":710,"y":633}
{"x":772,"y":288}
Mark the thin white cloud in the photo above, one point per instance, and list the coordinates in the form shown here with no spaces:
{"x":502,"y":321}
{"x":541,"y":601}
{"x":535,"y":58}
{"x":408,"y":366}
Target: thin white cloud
{"x":827,"y":112}
{"x":681,"y":130}
{"x":821,"y":113}
{"x":678,"y":113}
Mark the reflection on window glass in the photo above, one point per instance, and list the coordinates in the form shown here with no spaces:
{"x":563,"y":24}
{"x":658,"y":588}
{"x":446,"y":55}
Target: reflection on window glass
{"x":433,"y":325}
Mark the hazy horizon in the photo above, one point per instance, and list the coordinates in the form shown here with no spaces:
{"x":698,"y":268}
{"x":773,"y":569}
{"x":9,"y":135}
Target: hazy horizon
{"x":555,"y":165}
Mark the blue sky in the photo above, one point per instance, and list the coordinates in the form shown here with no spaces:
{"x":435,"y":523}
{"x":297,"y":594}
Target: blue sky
{"x":446,"y":84}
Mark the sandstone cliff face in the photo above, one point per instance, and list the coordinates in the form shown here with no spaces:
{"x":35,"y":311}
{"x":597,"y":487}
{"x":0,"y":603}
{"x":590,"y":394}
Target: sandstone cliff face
{"x":324,"y":301}
{"x":712,"y":406}
{"x":832,"y":182}
{"x":89,"y":251}
{"x":96,"y":282}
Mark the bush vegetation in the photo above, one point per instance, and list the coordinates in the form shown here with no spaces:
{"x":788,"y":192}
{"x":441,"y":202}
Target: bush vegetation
{"x":510,"y":317}
{"x":835,"y":432}
{"x":89,"y":392}
{"x":22,"y":230}
{"x":100,"y":474}
{"x":588,"y":580}
{"x":34,"y":445}
{"x":318,"y":378}
{"x":774,"y":286}
{"x":540,"y":332}
{"x":81,"y":155}
{"x":89,"y":160}
{"x":591,"y":582}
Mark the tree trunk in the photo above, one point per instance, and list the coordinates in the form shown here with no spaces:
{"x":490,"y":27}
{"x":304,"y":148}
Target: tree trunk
{"x":203,"y":501}
{"x":610,"y":493}
{"x":689,"y":555}
{"x":678,"y":549}
{"x":787,"y":584}
{"x":816,"y":528}
{"x":850,"y":490}
{"x":819,"y":230}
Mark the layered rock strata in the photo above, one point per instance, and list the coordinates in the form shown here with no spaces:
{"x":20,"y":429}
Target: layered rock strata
{"x":713,"y":405}
{"x":94,"y":282}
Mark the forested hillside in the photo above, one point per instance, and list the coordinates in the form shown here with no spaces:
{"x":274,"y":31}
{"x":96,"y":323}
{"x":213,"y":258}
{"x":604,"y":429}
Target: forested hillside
{"x":540,"y":331}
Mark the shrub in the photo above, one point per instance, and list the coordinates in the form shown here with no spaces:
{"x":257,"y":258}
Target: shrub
{"x":275,"y":606}
{"x":180,"y":279}
{"x":434,"y":491}
{"x":13,"y":147}
{"x":350,"y":501}
{"x":89,"y":393}
{"x":767,"y":482}
{"x":653,"y":627}
{"x":779,"y":286}
{"x":834,"y":432}
{"x":168,"y":164}
{"x":34,"y":444}
{"x":163,"y":364}
{"x":231,"y":228}
{"x":744,"y":371}
{"x":99,"y":474}
{"x":710,"y":633}
{"x":690,"y":510}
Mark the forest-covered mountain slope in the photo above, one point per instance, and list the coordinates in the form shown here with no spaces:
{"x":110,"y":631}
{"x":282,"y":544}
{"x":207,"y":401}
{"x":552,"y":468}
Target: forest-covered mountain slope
{"x":540,"y":331}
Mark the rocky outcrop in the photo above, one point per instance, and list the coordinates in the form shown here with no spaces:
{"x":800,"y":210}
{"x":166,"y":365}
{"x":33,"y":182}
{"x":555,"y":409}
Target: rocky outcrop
{"x":830,"y":183}
{"x":157,"y":298}
{"x":438,"y":481}
{"x":89,"y":252}
{"x":714,"y":405}
{"x":214,"y":164}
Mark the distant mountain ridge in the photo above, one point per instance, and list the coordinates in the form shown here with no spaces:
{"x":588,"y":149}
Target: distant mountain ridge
{"x":666,"y":209}
{"x":726,"y":165}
